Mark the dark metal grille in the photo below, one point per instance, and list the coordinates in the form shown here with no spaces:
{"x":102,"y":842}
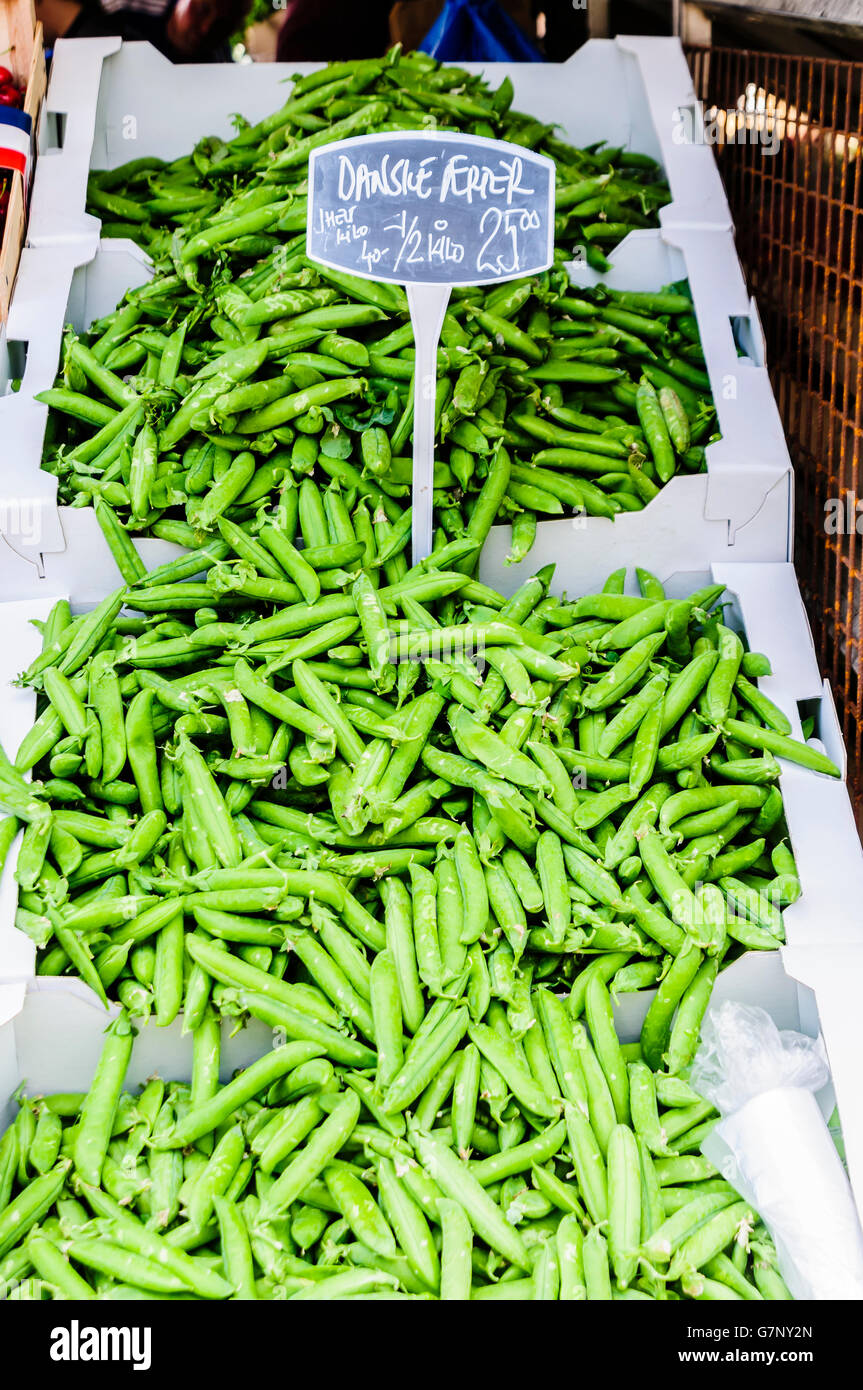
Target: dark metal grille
{"x":797,"y":212}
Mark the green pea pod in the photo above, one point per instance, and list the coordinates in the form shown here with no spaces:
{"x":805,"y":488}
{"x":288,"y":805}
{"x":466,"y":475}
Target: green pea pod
{"x":710,"y":1239}
{"x":473,"y":887}
{"x":9,"y":1157}
{"x":588,"y":1164}
{"x":624,"y":1204}
{"x":456,"y":1249}
{"x":625,"y":673}
{"x":97,"y":1115}
{"x":502,"y":1053}
{"x":570,"y":1243}
{"x":657,"y":1023}
{"x":217,"y":822}
{"x":780,"y":745}
{"x":126,"y":1231}
{"x":205,"y":1117}
{"x":425,"y":928}
{"x":557,"y":1029}
{"x":675,"y":417}
{"x":632,"y":629}
{"x":551,"y":869}
{"x":30,"y":1205}
{"x":474,"y":740}
{"x":454,"y":1179}
{"x":45,"y":1147}
{"x":360,"y":1209}
{"x":143,"y":470}
{"x":288,"y":1128}
{"x":628,"y":718}
{"x":691,"y":1010}
{"x":409,"y":1224}
{"x":601,"y":1022}
{"x":400,"y":943}
{"x":756,"y":906}
{"x":215,"y":1178}
{"x":716,"y":697}
{"x":322,"y":1146}
{"x":645,"y":1114}
{"x":644,"y":814}
{"x":645,"y":749}
{"x":465,"y":1098}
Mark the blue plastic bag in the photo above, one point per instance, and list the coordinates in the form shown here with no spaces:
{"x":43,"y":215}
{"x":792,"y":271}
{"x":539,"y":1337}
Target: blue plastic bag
{"x":478,"y":31}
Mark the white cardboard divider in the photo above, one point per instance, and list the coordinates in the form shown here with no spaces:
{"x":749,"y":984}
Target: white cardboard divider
{"x":115,"y":102}
{"x":51,"y":1030}
{"x":740,"y":509}
{"x":52,"y":1033}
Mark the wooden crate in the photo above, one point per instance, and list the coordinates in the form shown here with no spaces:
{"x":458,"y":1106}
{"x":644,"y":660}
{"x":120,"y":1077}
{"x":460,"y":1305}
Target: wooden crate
{"x":22,"y":51}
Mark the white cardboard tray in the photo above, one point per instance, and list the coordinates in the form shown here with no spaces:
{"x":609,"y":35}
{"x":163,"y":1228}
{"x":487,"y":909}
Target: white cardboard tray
{"x":824,"y":928}
{"x":740,"y":509}
{"x":108,"y":102}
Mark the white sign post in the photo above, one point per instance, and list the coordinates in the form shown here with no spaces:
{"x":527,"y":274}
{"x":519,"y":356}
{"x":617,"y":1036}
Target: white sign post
{"x":429,"y":210}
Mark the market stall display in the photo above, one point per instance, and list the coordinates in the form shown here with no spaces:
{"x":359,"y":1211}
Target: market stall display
{"x":430,"y":824}
{"x":627,"y":88}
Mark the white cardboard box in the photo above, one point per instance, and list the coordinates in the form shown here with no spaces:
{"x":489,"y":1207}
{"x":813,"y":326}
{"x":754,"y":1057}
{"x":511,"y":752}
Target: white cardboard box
{"x":108,"y":102}
{"x":824,"y":928}
{"x":740,"y":509}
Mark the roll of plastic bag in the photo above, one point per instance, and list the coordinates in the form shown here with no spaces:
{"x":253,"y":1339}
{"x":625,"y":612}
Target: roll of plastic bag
{"x":773,"y":1145}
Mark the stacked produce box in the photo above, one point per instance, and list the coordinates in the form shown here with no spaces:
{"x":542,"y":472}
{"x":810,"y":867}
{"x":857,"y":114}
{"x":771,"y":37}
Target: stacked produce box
{"x":478,"y":840}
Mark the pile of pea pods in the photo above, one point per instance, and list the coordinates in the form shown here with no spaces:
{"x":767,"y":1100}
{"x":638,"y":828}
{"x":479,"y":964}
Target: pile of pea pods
{"x":423,"y":831}
{"x":602,"y":192}
{"x":204,"y":1191}
{"x":242,"y":364}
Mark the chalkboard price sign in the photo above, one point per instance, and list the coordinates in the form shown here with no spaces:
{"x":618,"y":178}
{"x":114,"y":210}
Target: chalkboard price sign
{"x":429,"y":210}
{"x":432,"y":208}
